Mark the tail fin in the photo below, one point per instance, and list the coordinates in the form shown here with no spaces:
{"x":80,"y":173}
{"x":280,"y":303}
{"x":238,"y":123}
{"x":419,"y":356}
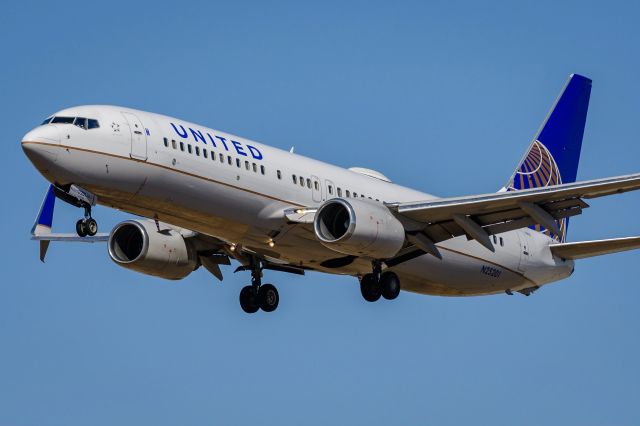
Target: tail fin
{"x":553,"y":155}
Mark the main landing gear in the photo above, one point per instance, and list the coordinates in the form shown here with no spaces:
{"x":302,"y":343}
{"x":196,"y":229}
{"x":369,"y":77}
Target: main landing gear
{"x":87,"y":226}
{"x":378,"y":283}
{"x":257,"y":295}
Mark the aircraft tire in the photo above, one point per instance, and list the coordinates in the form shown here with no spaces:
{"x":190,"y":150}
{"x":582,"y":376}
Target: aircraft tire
{"x":268,"y":297}
{"x":80,"y":229}
{"x":390,"y":285}
{"x":91,"y":227}
{"x":249,"y":300}
{"x":370,"y":288}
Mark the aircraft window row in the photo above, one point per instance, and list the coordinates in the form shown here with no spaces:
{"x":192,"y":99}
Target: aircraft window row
{"x":330,"y":188}
{"x":203,"y":151}
{"x":495,"y":241}
{"x":82,"y":122}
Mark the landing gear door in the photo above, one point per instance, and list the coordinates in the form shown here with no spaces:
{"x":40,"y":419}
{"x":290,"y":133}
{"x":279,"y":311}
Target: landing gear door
{"x":138,"y":136}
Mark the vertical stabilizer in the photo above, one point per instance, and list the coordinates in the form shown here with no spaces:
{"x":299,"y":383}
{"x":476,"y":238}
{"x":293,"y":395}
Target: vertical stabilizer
{"x":553,"y":155}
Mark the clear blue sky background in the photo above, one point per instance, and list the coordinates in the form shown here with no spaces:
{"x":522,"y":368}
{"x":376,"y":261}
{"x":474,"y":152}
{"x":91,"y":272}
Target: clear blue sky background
{"x":441,"y":96}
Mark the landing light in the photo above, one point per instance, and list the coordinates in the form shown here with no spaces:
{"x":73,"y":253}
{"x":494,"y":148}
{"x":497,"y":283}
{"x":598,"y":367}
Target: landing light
{"x":271,"y":243}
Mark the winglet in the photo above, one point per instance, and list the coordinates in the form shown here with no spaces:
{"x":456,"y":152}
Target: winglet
{"x":44,"y":221}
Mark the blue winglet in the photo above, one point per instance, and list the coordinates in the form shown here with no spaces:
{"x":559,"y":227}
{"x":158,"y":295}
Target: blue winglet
{"x":45,"y":216}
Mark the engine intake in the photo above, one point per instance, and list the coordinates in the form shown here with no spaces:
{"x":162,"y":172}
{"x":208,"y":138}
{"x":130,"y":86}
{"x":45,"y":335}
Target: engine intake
{"x":359,"y":228}
{"x":138,"y":245}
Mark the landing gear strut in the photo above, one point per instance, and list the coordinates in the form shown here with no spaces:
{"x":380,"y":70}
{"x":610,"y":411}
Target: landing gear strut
{"x":257,"y":295}
{"x":88,"y":225}
{"x":378,"y":283}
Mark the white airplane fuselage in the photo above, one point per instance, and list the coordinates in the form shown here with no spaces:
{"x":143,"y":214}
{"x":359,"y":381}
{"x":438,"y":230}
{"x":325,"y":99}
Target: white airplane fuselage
{"x":239,"y":191}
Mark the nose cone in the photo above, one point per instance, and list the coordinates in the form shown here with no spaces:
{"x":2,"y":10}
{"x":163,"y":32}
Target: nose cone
{"x":41,"y":146}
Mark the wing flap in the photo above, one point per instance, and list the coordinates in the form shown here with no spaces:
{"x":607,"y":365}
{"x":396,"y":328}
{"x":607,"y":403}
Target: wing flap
{"x":585,"y":249}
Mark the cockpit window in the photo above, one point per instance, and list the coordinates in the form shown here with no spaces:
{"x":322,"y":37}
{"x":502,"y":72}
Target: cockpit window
{"x":63,"y":120}
{"x":81,"y":122}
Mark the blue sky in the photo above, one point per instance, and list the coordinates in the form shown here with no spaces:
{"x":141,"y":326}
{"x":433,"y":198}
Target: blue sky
{"x":441,"y":96}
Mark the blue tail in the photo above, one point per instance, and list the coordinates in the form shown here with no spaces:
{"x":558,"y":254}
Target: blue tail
{"x":553,"y":156}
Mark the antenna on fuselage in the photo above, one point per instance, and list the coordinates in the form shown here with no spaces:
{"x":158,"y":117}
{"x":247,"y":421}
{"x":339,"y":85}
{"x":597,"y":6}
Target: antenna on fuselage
{"x":292,"y":148}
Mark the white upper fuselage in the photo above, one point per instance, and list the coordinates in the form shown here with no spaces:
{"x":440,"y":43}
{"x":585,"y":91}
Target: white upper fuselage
{"x":237,"y":190}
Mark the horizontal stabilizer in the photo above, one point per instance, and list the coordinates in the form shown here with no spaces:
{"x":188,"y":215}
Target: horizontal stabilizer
{"x":584,"y":249}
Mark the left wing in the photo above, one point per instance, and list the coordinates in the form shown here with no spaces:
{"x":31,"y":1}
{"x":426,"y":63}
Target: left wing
{"x":585,"y":249}
{"x":41,"y":230}
{"x":479,"y":216}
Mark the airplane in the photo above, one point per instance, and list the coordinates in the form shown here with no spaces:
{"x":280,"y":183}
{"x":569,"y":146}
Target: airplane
{"x":204,"y":197}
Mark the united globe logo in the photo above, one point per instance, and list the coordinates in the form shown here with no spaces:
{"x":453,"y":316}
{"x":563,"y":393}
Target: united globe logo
{"x":539,"y":170}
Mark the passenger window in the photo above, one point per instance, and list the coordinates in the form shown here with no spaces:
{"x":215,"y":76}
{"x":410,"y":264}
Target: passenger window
{"x":355,"y":195}
{"x":279,"y":174}
{"x":92,"y":124}
{"x":173,"y":144}
{"x":347,"y":193}
{"x":238,"y":162}
{"x":255,"y":167}
{"x":495,"y":240}
{"x":316,"y":185}
{"x":301,"y":181}
{"x":261,"y":169}
{"x":221,"y":158}
{"x":81,"y":122}
{"x":229,"y":161}
{"x":182,"y":146}
{"x":204,"y":152}
{"x":339,"y":192}
{"x":330,"y":189}
{"x":308,"y":183}
{"x":198,"y":151}
{"x":166,"y":142}
{"x":246,"y":165}
{"x":295,"y":178}
{"x":501,"y":242}
{"x":189,"y":148}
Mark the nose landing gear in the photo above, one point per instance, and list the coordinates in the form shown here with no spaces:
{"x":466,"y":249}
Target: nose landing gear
{"x":87,"y":226}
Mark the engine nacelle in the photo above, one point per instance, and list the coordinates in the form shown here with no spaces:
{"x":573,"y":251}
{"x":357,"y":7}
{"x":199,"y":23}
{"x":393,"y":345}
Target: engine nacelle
{"x":359,"y":227}
{"x":138,"y":245}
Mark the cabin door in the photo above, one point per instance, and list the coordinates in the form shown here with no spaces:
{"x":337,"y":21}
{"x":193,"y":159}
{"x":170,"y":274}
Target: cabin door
{"x":525,"y":250}
{"x":138,"y":136}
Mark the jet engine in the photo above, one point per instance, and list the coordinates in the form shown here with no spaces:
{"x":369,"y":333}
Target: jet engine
{"x":359,"y":227}
{"x":140,"y":246}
